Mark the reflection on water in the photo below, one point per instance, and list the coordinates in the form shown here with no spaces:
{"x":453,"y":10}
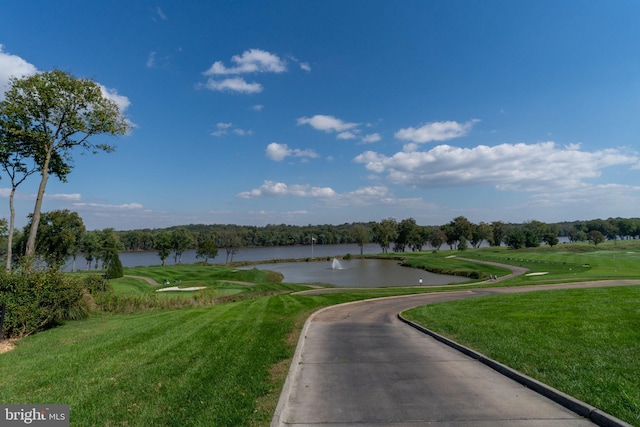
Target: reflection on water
{"x":358,"y":273}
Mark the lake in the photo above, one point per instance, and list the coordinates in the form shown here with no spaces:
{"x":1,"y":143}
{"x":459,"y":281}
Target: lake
{"x":351,"y":273}
{"x":358,"y":273}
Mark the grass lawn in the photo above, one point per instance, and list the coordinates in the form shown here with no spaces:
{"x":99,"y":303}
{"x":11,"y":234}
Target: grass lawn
{"x":221,"y":365}
{"x":585,"y":342}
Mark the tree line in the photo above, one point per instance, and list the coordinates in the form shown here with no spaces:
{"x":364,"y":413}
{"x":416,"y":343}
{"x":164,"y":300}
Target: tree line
{"x":63,"y":236}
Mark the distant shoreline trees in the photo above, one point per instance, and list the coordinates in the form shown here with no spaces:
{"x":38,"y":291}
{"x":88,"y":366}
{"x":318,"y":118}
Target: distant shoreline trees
{"x":399,"y":236}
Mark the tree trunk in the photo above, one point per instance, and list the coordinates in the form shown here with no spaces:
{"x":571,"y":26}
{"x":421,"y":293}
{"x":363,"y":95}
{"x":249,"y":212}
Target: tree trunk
{"x":12,"y":219}
{"x":35,"y":220}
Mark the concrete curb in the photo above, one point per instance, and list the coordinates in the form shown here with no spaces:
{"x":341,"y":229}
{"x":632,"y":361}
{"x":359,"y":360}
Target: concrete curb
{"x":592,"y":413}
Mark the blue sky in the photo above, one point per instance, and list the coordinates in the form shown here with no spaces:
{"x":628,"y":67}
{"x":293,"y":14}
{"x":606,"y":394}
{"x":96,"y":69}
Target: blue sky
{"x":300,"y":112}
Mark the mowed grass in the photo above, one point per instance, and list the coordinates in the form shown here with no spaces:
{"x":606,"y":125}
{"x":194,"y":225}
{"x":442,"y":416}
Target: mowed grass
{"x":222,"y":365}
{"x":584,"y":342}
{"x":222,"y":280}
{"x":567,"y":263}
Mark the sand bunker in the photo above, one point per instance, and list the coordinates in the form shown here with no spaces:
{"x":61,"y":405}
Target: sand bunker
{"x":175,"y":288}
{"x":541,"y":273}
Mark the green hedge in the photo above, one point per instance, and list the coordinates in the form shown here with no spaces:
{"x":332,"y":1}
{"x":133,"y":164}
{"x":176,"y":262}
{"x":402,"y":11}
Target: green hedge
{"x":36,"y":300}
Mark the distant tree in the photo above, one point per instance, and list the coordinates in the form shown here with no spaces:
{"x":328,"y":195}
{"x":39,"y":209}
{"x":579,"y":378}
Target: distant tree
{"x":462,"y":244}
{"x":534,"y":230}
{"x":437,"y":238}
{"x":576,"y":235}
{"x":207,"y":247}
{"x":407,"y":229}
{"x":61,"y":232}
{"x":361,"y":235}
{"x":480,"y":233}
{"x":231,"y":241}
{"x":550,"y":235}
{"x":515,"y":238}
{"x":419,"y":237}
{"x":113,"y":265}
{"x":163,"y":244}
{"x":49,"y":114}
{"x":181,"y":239}
{"x":385,"y":232}
{"x":498,"y":233}
{"x":90,"y":247}
{"x":459,"y":228}
{"x":110,"y":246}
{"x":596,"y":237}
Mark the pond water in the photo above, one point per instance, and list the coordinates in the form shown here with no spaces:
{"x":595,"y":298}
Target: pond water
{"x":350,"y":273}
{"x":358,"y":273}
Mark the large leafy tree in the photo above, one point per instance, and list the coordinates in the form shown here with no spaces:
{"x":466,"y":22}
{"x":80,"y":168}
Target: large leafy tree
{"x":61,"y":233}
{"x":206,"y":246}
{"x":385,"y":232}
{"x":181,"y":239}
{"x":49,"y":114}
{"x":163,"y":243}
{"x":231,"y":241}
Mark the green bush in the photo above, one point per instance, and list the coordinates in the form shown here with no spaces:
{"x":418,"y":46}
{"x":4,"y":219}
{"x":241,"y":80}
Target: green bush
{"x":36,"y":300}
{"x":96,"y":284}
{"x":114,"y":266}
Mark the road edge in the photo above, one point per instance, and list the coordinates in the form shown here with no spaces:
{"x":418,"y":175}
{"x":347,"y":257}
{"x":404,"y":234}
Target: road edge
{"x":581,"y":408}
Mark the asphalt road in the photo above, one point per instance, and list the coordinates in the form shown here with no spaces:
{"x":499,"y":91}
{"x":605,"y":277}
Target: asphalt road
{"x":356,"y":364}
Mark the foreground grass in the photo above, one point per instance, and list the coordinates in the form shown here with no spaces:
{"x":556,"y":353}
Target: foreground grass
{"x":210,"y":366}
{"x":584,"y":342}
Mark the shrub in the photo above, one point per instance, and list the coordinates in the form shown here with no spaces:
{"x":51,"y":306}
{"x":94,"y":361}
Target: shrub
{"x":114,"y":266}
{"x":40,"y":299}
{"x":96,"y":284}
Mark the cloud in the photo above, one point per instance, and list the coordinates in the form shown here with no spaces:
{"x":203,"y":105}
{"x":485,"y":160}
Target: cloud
{"x":513,"y":167}
{"x":257,"y":107}
{"x":279,"y":152}
{"x":101,"y":206}
{"x":251,"y":61}
{"x":12,"y":66}
{"x":305,"y":66}
{"x":368,"y":139}
{"x":224,"y":128}
{"x":62,"y":196}
{"x":242,"y":132}
{"x":234,"y":84}
{"x":151,"y":60}
{"x":280,"y":189}
{"x":347,"y":135}
{"x":327,"y":124}
{"x":112,"y":94}
{"x":161,"y":13}
{"x":435,"y":131}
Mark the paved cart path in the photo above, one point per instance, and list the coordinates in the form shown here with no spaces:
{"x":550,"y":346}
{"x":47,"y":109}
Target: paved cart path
{"x":357,"y":364}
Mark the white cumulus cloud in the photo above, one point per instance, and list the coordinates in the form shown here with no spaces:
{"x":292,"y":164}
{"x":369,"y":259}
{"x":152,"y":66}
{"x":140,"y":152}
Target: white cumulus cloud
{"x":435,"y":131}
{"x":234,"y":84}
{"x":12,"y":66}
{"x":251,"y":61}
{"x":515,"y":167}
{"x":279,"y":152}
{"x":280,"y":189}
{"x":368,"y":139}
{"x":326,"y":123}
